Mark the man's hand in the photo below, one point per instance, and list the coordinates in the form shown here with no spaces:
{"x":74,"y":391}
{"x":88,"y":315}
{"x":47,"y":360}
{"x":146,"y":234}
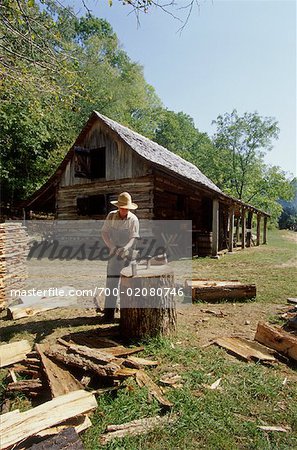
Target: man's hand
{"x":122,"y":252}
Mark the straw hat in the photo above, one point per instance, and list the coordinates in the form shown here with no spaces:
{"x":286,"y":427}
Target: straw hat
{"x":124,"y":201}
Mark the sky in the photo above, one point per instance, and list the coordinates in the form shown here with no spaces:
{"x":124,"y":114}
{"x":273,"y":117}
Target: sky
{"x":237,"y":54}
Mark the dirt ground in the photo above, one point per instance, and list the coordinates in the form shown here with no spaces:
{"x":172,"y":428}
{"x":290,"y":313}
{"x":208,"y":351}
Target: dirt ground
{"x":207,"y":321}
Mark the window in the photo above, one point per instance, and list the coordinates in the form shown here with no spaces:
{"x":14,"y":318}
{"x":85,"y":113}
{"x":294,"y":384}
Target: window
{"x":91,"y":205}
{"x":180,"y":203}
{"x":90,"y":163}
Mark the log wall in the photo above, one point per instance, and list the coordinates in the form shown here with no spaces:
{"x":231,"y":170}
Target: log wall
{"x":175,"y":199}
{"x":141,"y":190}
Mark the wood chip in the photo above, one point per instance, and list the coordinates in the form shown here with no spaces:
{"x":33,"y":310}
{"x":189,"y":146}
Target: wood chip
{"x":272,"y":428}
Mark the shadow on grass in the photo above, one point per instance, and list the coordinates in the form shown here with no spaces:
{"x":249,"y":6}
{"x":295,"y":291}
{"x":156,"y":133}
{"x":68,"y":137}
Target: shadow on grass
{"x":43,"y":328}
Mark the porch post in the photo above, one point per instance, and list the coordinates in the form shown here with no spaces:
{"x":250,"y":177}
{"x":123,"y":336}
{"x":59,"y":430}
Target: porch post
{"x":215,"y":227}
{"x":265,"y":231}
{"x":258,"y":229}
{"x":249,"y":227}
{"x":243,"y":228}
{"x":231,"y":229}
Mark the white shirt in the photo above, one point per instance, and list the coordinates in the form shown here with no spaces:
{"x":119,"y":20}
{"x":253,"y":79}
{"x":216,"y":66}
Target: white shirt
{"x":121,"y":230}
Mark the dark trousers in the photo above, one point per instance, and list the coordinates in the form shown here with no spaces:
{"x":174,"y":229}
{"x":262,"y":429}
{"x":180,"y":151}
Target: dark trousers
{"x":114,"y":267}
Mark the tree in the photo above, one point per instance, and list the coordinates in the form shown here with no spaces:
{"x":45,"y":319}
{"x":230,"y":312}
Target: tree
{"x":41,"y":112}
{"x":246,"y":139}
{"x":177,"y":132}
{"x":288,"y":218}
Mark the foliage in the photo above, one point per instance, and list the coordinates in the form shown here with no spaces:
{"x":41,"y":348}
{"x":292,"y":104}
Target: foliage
{"x":246,"y":138}
{"x":239,"y":146}
{"x":288,"y":217}
{"x":42,"y":111}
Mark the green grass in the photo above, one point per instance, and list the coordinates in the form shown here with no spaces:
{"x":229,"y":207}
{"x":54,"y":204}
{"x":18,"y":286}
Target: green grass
{"x":252,"y":394}
{"x":266,"y":265}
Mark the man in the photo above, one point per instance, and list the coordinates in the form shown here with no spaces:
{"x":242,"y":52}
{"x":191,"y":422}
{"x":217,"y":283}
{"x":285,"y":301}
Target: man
{"x":119,"y":232}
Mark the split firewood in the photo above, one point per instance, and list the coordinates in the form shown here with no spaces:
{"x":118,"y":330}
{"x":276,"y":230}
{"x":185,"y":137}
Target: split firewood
{"x":32,"y":361}
{"x":26,"y":371}
{"x":143,"y":379}
{"x":19,"y":427}
{"x":13,"y":352}
{"x":24,"y":386}
{"x":278,"y":339}
{"x":124,"y":372}
{"x":59,"y":353}
{"x":136,"y":427}
{"x":94,"y":353}
{"x":59,"y":378}
{"x":142,"y":361}
{"x":246,"y":350}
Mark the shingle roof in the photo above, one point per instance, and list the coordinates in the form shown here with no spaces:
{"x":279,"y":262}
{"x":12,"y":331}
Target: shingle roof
{"x":158,"y":155}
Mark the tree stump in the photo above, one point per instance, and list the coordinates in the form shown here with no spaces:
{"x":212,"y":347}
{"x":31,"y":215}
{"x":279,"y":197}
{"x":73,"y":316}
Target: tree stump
{"x":148,"y":306}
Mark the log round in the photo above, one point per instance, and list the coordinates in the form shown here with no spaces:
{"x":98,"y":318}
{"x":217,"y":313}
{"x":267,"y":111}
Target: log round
{"x":148,"y":306}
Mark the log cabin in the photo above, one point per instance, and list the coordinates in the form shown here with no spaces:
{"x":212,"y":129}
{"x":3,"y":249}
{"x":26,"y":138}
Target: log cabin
{"x":108,"y":158}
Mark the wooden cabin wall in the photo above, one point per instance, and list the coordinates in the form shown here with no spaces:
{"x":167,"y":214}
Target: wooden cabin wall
{"x":174,"y":199}
{"x":121,"y":161}
{"x":197,"y":206}
{"x":141,"y":190}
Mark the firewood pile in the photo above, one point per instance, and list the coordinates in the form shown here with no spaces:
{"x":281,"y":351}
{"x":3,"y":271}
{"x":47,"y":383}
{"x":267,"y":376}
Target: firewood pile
{"x":13,"y":253}
{"x":62,"y":378}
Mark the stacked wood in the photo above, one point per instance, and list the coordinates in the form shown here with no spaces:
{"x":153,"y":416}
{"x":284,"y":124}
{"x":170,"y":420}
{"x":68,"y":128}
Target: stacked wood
{"x":16,"y":427}
{"x":60,"y":380}
{"x":13,"y":254}
{"x":278,"y":339}
{"x":54,"y":366}
{"x":102,"y":363}
{"x":216,"y":290}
